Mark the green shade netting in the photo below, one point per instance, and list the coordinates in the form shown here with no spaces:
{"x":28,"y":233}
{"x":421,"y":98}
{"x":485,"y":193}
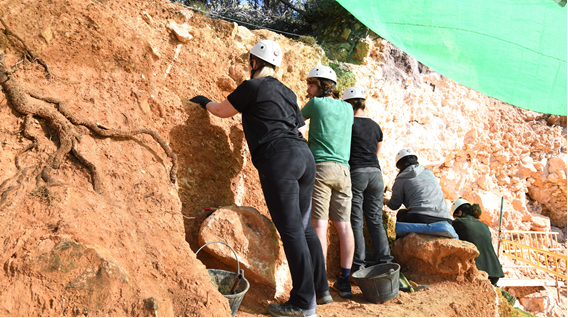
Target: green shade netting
{"x":511,"y":50}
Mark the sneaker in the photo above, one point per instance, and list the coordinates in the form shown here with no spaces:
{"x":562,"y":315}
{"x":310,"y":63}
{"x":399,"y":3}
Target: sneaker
{"x":344,"y":288}
{"x":323,"y":298}
{"x":289,"y":310}
{"x":356,"y":268}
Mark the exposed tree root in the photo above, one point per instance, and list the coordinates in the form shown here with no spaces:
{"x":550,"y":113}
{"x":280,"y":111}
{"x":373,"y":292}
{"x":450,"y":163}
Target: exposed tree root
{"x":28,"y":133}
{"x":64,"y":123}
{"x":12,"y":186}
{"x":29,"y":54}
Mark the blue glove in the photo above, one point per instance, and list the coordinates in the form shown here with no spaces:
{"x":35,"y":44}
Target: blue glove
{"x":201,"y":100}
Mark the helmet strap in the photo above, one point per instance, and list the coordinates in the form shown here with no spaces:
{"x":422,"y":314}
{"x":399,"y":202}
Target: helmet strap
{"x":252,"y":69}
{"x":326,"y":92}
{"x":259,"y":65}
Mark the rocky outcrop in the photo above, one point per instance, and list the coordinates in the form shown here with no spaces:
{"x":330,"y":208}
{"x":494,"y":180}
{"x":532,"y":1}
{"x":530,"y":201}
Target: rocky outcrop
{"x":182,"y":32}
{"x":60,"y":270}
{"x":538,"y":300}
{"x":439,"y":256}
{"x":95,"y":281}
{"x":480,"y":148}
{"x":546,"y":181}
{"x":256,"y":242}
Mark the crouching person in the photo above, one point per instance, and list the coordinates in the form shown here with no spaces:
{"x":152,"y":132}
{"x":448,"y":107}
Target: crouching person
{"x":418,"y":189}
{"x":469,"y":228}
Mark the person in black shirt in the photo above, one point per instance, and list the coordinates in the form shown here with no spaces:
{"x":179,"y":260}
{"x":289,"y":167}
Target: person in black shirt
{"x":286,"y":167}
{"x":366,"y":183}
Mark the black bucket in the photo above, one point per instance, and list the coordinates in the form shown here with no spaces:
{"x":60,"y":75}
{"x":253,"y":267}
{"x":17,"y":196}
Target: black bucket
{"x":225,"y":281}
{"x":378,"y":283}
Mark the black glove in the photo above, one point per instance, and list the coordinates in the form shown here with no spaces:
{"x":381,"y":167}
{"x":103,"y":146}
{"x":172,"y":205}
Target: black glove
{"x":201,"y":100}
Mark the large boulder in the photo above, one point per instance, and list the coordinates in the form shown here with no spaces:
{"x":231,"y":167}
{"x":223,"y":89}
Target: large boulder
{"x":65,"y":275}
{"x":539,"y":302}
{"x":540,"y":223}
{"x":255,"y":240}
{"x":439,"y":256}
{"x":548,"y":187}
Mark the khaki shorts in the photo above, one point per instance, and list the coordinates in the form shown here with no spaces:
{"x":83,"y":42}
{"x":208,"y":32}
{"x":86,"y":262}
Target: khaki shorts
{"x":332,"y":195}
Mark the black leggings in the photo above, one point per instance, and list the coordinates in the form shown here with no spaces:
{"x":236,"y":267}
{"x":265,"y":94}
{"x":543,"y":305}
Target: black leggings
{"x":287,"y":177}
{"x":405,"y":217}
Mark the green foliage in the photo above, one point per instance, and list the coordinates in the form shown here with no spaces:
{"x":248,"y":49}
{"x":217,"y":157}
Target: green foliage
{"x":389,"y":225}
{"x":317,"y":11}
{"x":303,"y":19}
{"x":345,"y":78}
{"x":199,"y":5}
{"x":507,"y":310}
{"x":308,"y":39}
{"x":256,"y":14}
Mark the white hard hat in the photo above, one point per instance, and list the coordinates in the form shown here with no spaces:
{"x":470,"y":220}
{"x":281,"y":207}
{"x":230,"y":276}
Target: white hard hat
{"x":353,"y":92}
{"x":457,"y":203}
{"x":323,"y":72}
{"x":269,"y":51}
{"x":407,"y":151}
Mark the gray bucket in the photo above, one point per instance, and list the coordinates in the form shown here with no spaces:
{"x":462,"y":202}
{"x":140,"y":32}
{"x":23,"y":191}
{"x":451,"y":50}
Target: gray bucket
{"x":225,"y":281}
{"x":378,"y":283}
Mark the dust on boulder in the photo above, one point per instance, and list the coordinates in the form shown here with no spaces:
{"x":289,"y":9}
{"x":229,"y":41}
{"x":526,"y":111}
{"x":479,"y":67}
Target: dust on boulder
{"x":439,"y":256}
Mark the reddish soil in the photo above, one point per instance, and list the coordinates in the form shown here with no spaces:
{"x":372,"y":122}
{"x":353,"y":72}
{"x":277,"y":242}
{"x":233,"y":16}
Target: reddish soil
{"x":125,"y":252}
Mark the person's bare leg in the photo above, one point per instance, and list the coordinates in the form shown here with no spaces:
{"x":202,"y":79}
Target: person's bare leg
{"x":320,"y":226}
{"x":347,"y":243}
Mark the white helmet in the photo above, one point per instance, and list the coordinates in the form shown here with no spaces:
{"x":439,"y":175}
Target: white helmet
{"x":322,"y":71}
{"x":407,"y":151}
{"x":269,"y":51}
{"x":457,"y":203}
{"x":353,"y":92}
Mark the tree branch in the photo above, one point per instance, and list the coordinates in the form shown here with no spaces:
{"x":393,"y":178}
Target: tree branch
{"x":291,"y":6}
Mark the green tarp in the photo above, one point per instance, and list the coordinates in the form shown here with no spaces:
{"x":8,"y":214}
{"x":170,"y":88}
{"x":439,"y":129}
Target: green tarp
{"x":511,"y":50}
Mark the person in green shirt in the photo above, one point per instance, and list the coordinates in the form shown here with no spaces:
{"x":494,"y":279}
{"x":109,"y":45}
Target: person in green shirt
{"x":329,"y":139}
{"x":469,"y":228}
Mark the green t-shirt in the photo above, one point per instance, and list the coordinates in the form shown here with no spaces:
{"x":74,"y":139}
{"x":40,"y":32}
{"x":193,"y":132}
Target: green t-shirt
{"x":331,"y":122}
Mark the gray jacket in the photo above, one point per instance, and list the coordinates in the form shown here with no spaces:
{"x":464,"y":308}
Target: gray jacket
{"x":418,"y":189}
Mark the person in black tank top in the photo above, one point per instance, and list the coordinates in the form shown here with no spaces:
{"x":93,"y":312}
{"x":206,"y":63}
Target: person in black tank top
{"x":286,"y":167}
{"x":366,"y":183}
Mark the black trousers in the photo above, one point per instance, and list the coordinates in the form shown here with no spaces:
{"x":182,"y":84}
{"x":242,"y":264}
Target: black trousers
{"x":367,"y":186}
{"x":403,"y":216}
{"x":287,"y":177}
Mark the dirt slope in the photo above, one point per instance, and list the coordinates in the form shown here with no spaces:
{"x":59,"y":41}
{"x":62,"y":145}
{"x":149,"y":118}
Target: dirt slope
{"x":77,"y":252}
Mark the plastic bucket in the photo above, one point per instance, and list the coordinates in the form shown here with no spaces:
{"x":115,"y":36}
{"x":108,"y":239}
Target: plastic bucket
{"x":378,"y":283}
{"x":225,"y":280}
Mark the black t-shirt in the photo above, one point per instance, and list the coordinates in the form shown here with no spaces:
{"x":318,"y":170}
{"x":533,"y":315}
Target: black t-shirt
{"x":270,"y":112}
{"x":364,"y":139}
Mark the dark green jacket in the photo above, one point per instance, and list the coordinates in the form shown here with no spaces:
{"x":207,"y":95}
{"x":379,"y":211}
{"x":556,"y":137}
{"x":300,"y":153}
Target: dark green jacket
{"x":474,"y":231}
